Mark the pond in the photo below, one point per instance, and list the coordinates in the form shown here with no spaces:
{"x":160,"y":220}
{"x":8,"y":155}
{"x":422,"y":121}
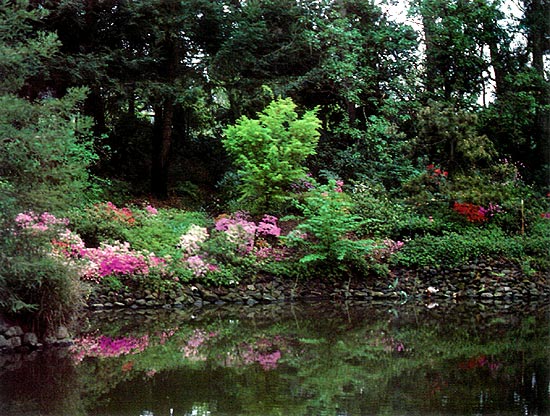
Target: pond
{"x":292,"y":359}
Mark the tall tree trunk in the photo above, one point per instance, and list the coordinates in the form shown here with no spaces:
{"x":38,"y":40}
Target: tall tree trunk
{"x":164,"y":117}
{"x":498,"y":67}
{"x":431,"y":65}
{"x":162,"y":143}
{"x":537,"y":15}
{"x":95,"y":107}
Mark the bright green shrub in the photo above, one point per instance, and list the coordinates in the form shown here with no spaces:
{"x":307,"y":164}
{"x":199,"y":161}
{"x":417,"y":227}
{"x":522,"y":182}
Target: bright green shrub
{"x":270,"y":152}
{"x":325,"y":236}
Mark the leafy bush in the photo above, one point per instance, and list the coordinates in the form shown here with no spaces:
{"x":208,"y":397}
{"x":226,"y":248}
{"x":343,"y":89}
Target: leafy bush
{"x":537,"y":244}
{"x":34,"y":283}
{"x":104,"y":222}
{"x":270,"y":152}
{"x":46,"y":151}
{"x":381,"y":215}
{"x":326,"y":235}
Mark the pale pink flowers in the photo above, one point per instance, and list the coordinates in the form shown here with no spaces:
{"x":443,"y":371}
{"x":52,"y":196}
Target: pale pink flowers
{"x":39,"y":222}
{"x":151,"y":210}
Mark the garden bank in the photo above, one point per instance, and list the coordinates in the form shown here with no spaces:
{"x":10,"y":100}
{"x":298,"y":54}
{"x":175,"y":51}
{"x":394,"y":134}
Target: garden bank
{"x":492,"y":283}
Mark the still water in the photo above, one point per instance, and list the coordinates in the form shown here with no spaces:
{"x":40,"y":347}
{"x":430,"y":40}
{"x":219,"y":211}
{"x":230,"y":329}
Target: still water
{"x":299,"y":359}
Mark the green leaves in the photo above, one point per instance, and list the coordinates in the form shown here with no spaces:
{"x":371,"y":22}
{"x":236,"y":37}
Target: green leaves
{"x":45,"y":151}
{"x":270,"y":151}
{"x":327,"y":232}
{"x":23,"y":52}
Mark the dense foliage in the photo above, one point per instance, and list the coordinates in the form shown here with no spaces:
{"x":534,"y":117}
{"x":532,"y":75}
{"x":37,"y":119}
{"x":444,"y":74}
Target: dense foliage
{"x":427,"y":141}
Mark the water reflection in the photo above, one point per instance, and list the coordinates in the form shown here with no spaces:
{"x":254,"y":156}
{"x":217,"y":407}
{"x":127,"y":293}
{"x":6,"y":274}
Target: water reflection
{"x":307,"y":359}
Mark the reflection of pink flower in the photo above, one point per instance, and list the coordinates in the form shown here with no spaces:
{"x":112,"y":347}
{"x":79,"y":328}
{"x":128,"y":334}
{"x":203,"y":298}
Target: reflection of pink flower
{"x":151,"y":210}
{"x":269,"y":361}
{"x":479,"y":362}
{"x":265,"y":351}
{"x":103,"y":346}
{"x":191,"y":348}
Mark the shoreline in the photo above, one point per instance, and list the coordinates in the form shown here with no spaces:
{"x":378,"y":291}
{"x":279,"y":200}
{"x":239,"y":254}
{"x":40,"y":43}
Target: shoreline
{"x":495,"y":284}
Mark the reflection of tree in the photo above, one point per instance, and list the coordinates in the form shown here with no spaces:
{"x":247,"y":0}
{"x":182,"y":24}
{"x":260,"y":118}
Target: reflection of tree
{"x":325,"y":361}
{"x":384,"y":367}
{"x":47,"y":385}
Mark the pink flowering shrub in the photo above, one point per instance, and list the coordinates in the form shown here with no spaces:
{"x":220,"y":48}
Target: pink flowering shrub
{"x":151,"y":210}
{"x":197,"y":265}
{"x":235,"y":242}
{"x":242,"y":232}
{"x":124,"y":215}
{"x":268,"y":226}
{"x":190,"y":243}
{"x":40,"y":223}
{"x":105,"y":260}
{"x":238,"y":230}
{"x":117,"y":259}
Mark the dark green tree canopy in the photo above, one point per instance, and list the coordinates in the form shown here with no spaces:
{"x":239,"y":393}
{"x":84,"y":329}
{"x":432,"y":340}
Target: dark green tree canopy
{"x":164,"y":78}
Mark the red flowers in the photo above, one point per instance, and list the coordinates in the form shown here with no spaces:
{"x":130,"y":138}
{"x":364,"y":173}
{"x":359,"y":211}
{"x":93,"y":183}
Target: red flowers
{"x":473,"y":213}
{"x":436,"y":172}
{"x":115,"y":213}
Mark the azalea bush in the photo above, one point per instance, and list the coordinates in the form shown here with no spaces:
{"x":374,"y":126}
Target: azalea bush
{"x":235,"y":248}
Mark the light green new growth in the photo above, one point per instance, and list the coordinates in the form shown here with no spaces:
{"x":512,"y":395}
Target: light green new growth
{"x":270,"y":152}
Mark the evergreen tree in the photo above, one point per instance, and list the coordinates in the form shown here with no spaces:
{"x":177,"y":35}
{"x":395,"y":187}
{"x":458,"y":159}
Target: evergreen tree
{"x":46,"y":149}
{"x":45,"y":153}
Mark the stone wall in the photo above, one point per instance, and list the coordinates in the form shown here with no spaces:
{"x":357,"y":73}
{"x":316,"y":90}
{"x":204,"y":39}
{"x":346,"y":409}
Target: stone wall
{"x":490,"y":283}
{"x":487,"y":282}
{"x":14,"y":338}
